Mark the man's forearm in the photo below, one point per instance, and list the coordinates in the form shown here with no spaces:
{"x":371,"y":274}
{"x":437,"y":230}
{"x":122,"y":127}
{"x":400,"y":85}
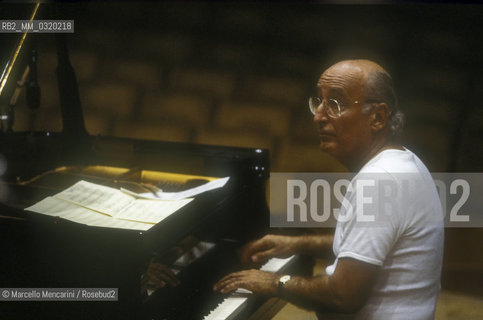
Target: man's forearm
{"x":344,"y":291}
{"x":314,"y":293}
{"x":314,"y":245}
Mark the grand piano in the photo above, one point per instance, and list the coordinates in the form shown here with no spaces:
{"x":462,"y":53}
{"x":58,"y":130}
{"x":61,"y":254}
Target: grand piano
{"x":197,"y":242}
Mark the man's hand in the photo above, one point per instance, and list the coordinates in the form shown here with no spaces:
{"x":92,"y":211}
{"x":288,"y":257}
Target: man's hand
{"x":259,"y":251}
{"x":257,"y":281}
{"x":160,"y":275}
{"x":270,"y":246}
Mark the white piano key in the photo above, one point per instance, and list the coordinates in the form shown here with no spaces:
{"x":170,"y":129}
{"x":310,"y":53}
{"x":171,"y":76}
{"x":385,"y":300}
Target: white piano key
{"x":234,"y":304}
{"x":276,"y":264}
{"x":243,"y":291}
{"x":228,"y":309}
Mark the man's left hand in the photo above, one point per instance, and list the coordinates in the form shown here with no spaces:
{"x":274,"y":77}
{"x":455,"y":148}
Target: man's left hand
{"x":257,"y":281}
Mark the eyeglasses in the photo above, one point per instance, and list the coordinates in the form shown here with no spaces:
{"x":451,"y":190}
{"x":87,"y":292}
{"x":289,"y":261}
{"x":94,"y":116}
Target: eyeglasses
{"x":333,"y":107}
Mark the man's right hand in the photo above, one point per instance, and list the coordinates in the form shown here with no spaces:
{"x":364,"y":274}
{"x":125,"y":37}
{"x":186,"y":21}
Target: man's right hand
{"x":259,"y":251}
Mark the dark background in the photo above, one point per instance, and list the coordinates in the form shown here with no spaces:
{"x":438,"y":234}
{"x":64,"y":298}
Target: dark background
{"x":237,"y":73}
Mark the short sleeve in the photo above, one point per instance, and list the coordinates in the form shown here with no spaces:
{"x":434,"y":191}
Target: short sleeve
{"x":364,"y":240}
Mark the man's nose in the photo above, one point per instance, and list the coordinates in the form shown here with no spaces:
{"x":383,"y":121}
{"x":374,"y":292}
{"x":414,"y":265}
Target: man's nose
{"x":320,"y":115}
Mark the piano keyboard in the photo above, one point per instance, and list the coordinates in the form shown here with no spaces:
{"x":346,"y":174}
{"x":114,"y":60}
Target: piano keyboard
{"x":230,"y":307}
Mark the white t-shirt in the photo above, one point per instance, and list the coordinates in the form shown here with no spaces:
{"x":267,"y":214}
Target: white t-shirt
{"x":404,"y":235}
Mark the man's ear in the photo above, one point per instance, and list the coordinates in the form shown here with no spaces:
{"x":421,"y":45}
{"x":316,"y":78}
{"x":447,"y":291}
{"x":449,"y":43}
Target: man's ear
{"x":380,"y":116}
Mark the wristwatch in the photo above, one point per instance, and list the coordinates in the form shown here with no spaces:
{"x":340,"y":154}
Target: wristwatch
{"x":281,"y":283}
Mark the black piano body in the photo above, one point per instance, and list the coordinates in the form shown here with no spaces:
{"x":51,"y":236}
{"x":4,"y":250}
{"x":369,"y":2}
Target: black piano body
{"x":47,"y":252}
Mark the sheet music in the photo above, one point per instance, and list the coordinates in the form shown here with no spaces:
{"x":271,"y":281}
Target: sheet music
{"x":96,"y":197}
{"x":59,"y":208}
{"x":160,"y":195}
{"x":150,"y":211}
{"x":101,"y":206}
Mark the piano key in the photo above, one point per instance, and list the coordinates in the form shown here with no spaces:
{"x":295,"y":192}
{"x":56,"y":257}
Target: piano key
{"x":276,"y":264}
{"x":230,"y":307}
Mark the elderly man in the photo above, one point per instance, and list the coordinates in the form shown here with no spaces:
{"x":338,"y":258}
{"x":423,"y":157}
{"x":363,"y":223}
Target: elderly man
{"x":389,"y":272}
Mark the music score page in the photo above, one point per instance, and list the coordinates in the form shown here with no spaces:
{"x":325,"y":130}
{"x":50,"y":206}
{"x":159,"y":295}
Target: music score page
{"x":97,"y":205}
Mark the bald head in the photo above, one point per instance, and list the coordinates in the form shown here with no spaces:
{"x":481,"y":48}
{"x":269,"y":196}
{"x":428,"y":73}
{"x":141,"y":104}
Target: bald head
{"x":351,"y":73}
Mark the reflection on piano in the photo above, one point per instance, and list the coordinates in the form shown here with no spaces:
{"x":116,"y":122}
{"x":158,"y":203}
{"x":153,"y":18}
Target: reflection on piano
{"x":198,"y":269}
{"x":48,"y":252}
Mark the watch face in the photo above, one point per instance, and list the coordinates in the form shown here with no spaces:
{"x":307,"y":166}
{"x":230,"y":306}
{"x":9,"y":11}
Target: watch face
{"x":284,"y":279}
